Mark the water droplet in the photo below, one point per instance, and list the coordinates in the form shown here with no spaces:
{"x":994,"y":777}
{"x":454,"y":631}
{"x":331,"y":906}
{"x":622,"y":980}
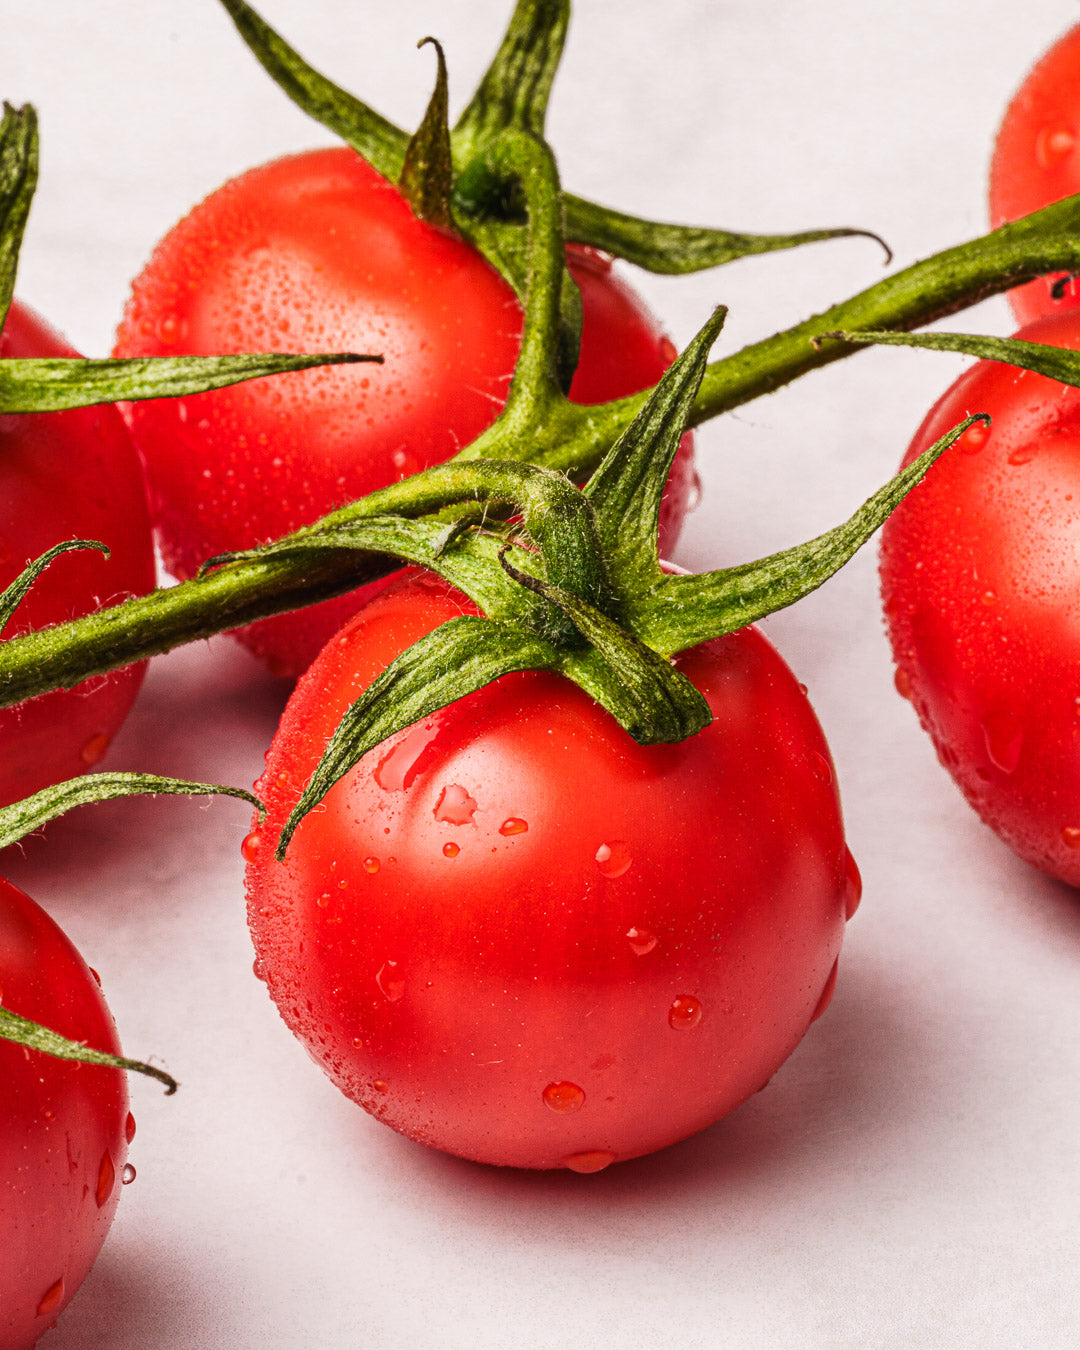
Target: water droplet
{"x":94,"y":748}
{"x":127,"y":1176}
{"x":826,"y":993}
{"x":852,"y":884}
{"x":902,"y":680}
{"x":380,"y":1086}
{"x":563,"y":1098}
{"x":1004,"y":737}
{"x":323,"y":900}
{"x":668,"y":350}
{"x":400,"y":765}
{"x":1070,"y":836}
{"x":821,"y":767}
{"x":1024,"y":454}
{"x":1052,"y":144}
{"x":989,"y":598}
{"x":451,"y":850}
{"x":249,"y":849}
{"x":391,"y":981}
{"x":105,"y":1179}
{"x":455,"y":806}
{"x":51,"y":1298}
{"x":371,"y":866}
{"x":515,"y":825}
{"x":614,"y":859}
{"x":642,"y":941}
{"x":685,"y":1012}
{"x":974,"y":439}
{"x":592,"y":1160}
{"x":97,"y":977}
{"x":129,"y":1127}
{"x":168,"y":329}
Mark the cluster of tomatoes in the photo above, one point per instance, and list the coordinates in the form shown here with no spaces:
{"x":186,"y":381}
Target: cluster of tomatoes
{"x":483,"y":970}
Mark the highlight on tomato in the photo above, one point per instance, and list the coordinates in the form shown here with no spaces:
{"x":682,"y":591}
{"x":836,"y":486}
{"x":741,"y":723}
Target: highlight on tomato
{"x":1036,"y":161}
{"x":316,"y":249}
{"x":64,"y":475}
{"x":64,"y":1126}
{"x":981,"y":587}
{"x":512,"y":934}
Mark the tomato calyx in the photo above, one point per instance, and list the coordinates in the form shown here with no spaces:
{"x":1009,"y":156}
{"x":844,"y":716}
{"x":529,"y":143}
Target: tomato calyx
{"x":426,"y":177}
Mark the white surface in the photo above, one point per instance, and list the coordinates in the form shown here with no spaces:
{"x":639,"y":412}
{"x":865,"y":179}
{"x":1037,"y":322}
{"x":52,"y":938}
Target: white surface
{"x":912,"y":1176}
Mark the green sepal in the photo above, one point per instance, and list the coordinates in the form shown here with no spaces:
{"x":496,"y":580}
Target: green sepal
{"x":626,"y":489}
{"x":684,"y":610}
{"x":427,"y":176}
{"x":673,"y":250}
{"x":641,"y":689}
{"x":18,"y":178}
{"x":33,"y":1036}
{"x":23,"y":817}
{"x":380,"y":142}
{"x":54,"y":384}
{"x":1058,"y":363}
{"x":445,"y":665}
{"x":13,"y":595}
{"x":515,"y":89}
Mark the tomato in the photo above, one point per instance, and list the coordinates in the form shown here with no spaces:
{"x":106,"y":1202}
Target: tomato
{"x":1037,"y":161}
{"x":67,"y":475}
{"x":515,"y":935}
{"x":64,"y":1127}
{"x":318,"y":252}
{"x":981,"y":584}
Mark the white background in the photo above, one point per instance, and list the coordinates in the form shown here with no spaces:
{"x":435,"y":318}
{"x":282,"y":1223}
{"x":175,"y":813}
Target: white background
{"x":912,"y":1176}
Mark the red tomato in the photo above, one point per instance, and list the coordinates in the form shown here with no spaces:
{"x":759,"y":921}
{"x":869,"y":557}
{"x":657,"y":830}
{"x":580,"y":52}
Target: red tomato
{"x":981,"y":584}
{"x":318,"y":252}
{"x":64,"y":1127}
{"x":67,"y":475}
{"x":515,"y":935}
{"x":1037,"y":161}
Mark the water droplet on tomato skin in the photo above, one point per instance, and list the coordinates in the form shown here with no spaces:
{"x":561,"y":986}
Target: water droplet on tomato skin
{"x":129,"y":1127}
{"x":563,"y":1098}
{"x":371,"y":866}
{"x":451,"y":850}
{"x":94,"y":749}
{"x":455,"y":806}
{"x":52,"y":1298}
{"x":1052,"y":145}
{"x":391,"y":981}
{"x":642,"y":940}
{"x":515,"y":825}
{"x":821,"y":767}
{"x":591,"y":1160}
{"x":1070,"y":836}
{"x":97,"y":977}
{"x":128,"y":1175}
{"x":827,"y":993}
{"x":852,"y":884}
{"x":380,"y":1086}
{"x":1003,"y":735}
{"x":249,"y":849}
{"x":614,"y":858}
{"x":106,"y":1179}
{"x":902,"y":680}
{"x":684,"y":1013}
{"x":974,"y":439}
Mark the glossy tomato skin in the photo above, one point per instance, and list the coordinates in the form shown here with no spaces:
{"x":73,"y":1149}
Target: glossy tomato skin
{"x":67,"y":475}
{"x":1037,"y":161}
{"x":981,"y":587}
{"x":318,"y":252}
{"x":64,"y":1127}
{"x":514,"y":935}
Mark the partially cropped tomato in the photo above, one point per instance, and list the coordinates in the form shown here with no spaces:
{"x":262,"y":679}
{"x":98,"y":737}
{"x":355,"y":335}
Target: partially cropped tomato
{"x":318,"y":252}
{"x":66,"y":475}
{"x":64,"y":1127}
{"x":515,"y":935}
{"x":1037,"y":161}
{"x":981,"y":584}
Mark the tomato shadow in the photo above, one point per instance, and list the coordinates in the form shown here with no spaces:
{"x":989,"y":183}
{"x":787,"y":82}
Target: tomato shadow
{"x":864,"y":1077}
{"x":205,"y":713}
{"x":125,"y":1303}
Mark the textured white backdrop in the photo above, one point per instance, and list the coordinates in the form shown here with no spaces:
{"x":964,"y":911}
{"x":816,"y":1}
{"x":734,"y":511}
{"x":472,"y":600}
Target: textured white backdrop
{"x":912,"y":1177}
